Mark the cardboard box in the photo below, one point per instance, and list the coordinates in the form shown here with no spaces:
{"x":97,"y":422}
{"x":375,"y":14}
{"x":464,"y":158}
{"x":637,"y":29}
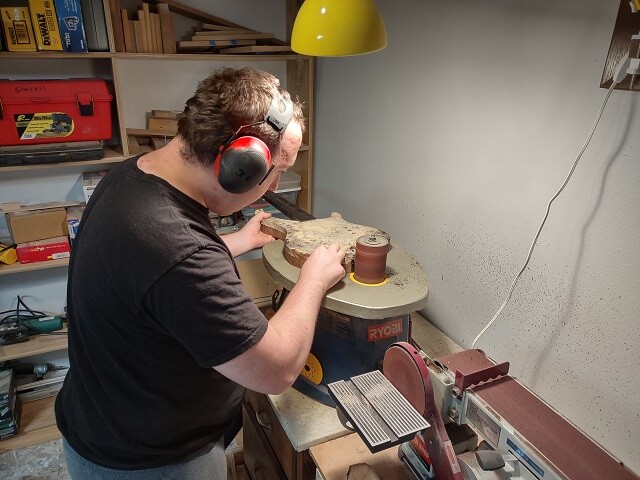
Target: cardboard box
{"x":73,"y":222}
{"x":30,"y":226}
{"x":45,"y":25}
{"x":43,"y":250}
{"x":16,"y":25}
{"x":71,"y":25}
{"x":89,"y":182}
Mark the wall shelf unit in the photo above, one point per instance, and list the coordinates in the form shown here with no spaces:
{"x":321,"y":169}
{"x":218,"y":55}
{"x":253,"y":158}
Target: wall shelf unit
{"x":128,"y":76}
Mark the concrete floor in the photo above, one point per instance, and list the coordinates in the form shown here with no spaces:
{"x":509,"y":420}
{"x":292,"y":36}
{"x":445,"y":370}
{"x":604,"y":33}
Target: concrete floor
{"x":46,"y":462}
{"x":39,"y":462}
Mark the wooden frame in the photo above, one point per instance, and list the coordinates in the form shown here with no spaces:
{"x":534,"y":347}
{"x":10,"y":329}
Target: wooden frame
{"x":627,"y":24}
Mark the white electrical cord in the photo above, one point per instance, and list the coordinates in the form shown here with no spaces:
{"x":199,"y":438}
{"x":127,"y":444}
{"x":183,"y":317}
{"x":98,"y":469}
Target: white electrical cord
{"x":621,"y":72}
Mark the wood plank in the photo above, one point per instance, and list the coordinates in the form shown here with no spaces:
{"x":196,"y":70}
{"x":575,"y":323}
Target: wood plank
{"x":167,"y":125}
{"x":129,"y":35}
{"x":158,"y":142}
{"x":302,"y":238}
{"x":204,"y":45}
{"x":220,"y":28}
{"x":334,"y":458}
{"x":152,"y":29}
{"x":132,"y":143}
{"x":148,"y":29}
{"x":166,"y":113}
{"x":223,"y":32}
{"x":142,"y":46}
{"x":157,"y":32}
{"x":237,"y":36}
{"x":145,"y":132}
{"x":138,"y":33}
{"x":116,"y":23}
{"x":256,"y":49}
{"x":167,"y":28}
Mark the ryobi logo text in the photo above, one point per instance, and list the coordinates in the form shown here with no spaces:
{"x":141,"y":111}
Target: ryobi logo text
{"x":384,"y":330}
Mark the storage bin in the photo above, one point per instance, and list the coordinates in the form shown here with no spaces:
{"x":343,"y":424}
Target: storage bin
{"x":52,"y":111}
{"x":290,"y":194}
{"x":288,"y":188}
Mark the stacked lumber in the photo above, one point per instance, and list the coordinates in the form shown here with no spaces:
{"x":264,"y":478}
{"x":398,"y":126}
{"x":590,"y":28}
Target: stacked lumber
{"x":162,"y":126}
{"x":150,"y":29}
{"x":211,"y":37}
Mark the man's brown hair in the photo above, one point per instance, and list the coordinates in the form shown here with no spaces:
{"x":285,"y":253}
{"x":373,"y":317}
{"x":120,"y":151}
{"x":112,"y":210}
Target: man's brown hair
{"x":223,"y":102}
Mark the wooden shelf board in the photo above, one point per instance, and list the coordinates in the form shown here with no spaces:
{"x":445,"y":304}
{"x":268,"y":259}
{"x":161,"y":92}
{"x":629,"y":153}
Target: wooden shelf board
{"x":35,"y":346}
{"x":153,"y":56}
{"x":37,"y":425}
{"x":111,"y":155}
{"x":55,"y":55}
{"x":207,"y":56}
{"x":28,"y":267}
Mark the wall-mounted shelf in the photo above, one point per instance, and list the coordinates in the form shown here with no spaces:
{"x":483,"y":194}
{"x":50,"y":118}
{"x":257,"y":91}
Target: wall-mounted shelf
{"x":153,"y":56}
{"x":29,"y":267}
{"x":35,"y":346}
{"x":111,"y":155}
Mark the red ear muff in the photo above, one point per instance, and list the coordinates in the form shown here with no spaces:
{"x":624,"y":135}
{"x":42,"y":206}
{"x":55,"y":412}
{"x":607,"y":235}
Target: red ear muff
{"x":242,"y":164}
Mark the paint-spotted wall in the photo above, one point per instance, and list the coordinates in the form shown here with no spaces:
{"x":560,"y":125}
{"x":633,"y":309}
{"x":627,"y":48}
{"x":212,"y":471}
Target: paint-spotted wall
{"x":453,"y":139}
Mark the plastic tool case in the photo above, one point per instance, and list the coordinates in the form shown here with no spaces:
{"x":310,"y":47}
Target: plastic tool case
{"x":51,"y":111}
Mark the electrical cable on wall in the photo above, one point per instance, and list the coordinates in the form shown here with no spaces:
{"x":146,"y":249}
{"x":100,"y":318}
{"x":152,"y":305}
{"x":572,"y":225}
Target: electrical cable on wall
{"x":621,"y":72}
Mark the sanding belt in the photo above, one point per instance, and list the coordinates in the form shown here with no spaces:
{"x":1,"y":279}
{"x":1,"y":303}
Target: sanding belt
{"x":555,"y":438}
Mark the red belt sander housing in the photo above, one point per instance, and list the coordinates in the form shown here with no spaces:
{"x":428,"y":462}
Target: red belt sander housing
{"x":52,"y":111}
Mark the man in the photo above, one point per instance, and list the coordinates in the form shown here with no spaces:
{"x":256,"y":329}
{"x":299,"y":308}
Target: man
{"x":163,"y":339}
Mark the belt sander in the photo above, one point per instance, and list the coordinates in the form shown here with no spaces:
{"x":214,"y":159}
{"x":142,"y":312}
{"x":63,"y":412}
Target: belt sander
{"x":522,"y":437}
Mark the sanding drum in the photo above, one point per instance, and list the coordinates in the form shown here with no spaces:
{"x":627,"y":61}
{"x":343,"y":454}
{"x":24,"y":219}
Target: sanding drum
{"x":370,"y":261}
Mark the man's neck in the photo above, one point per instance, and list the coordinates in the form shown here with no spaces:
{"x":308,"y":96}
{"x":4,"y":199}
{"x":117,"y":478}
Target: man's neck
{"x":166,"y":163}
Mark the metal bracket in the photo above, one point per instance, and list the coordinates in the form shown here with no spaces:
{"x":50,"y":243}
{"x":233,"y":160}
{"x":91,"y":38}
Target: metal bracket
{"x":464,"y":381}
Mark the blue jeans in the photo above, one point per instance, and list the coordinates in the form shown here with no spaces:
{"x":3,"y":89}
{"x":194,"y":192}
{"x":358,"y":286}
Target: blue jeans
{"x":210,"y":466}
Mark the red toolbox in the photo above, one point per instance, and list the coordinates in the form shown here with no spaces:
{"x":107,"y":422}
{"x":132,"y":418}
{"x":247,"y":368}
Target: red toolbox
{"x":50,"y":111}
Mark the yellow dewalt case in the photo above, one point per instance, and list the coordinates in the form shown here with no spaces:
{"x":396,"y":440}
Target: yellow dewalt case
{"x":45,"y":25}
{"x":16,"y":25}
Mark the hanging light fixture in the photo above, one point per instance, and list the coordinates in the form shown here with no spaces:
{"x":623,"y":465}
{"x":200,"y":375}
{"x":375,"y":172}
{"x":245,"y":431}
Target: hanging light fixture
{"x":336,"y":28}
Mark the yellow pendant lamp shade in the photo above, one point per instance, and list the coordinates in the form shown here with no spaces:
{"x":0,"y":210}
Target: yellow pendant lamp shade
{"x":335,"y":28}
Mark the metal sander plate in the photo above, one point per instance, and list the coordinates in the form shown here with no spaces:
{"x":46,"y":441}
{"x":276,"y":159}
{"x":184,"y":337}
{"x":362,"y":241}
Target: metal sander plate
{"x":405,"y":290}
{"x":402,"y":368}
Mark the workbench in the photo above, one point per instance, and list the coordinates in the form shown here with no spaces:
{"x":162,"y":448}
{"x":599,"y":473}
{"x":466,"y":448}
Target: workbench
{"x":293,"y":437}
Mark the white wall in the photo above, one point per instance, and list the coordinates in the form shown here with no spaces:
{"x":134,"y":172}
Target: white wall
{"x":453,"y":139}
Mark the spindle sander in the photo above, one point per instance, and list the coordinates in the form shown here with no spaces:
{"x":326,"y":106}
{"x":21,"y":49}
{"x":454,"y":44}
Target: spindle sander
{"x":365,"y":312}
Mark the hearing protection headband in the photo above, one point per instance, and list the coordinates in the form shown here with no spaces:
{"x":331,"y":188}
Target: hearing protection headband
{"x":241,"y":159}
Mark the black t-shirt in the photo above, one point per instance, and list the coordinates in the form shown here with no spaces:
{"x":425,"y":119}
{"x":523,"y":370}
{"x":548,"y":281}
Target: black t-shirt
{"x":154,"y":301}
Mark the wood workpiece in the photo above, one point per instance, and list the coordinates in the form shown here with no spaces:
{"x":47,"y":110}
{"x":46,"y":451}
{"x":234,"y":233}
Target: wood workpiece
{"x":302,"y":238}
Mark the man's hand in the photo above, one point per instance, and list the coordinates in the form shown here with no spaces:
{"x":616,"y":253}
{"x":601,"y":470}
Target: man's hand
{"x":256,"y":237}
{"x":324,"y":265}
{"x":249,"y":237}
